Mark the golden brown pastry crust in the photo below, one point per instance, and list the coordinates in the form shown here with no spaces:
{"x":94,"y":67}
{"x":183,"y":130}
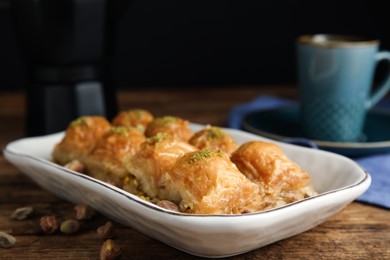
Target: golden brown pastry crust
{"x":138,"y":118}
{"x":156,"y":157}
{"x":175,"y":126}
{"x":106,"y":160}
{"x":192,"y":170}
{"x":280,"y":180}
{"x":209,"y":183}
{"x":80,"y":138}
{"x":214,"y":137}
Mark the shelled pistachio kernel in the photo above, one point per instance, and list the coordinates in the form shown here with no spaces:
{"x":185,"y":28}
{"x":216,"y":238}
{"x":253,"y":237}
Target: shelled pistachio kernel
{"x":106,"y":231}
{"x":83,"y":212}
{"x":167,"y":204}
{"x":6,"y":240}
{"x":49,"y":224}
{"x":22,"y":213}
{"x":70,"y":226}
{"x":109,"y":250}
{"x":75,"y":165}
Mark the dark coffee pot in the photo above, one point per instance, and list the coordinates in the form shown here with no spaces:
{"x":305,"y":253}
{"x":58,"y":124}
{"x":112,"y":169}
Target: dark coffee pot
{"x":67,"y":47}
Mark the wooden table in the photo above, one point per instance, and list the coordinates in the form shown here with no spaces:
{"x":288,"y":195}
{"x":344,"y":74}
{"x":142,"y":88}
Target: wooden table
{"x":359,"y":231}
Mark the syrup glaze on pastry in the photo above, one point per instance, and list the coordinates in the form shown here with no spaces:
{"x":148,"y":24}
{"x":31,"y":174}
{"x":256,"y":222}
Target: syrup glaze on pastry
{"x":213,"y":137}
{"x":280,"y":180}
{"x":106,"y":159}
{"x":175,"y":126}
{"x":209,"y":183}
{"x":80,"y":138}
{"x":138,"y":118}
{"x":155,"y":158}
{"x":161,"y":159}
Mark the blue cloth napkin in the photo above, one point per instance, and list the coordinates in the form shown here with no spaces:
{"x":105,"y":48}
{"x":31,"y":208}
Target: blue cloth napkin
{"x":377,"y":165}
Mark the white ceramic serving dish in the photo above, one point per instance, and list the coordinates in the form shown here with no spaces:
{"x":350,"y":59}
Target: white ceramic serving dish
{"x":338,"y":180}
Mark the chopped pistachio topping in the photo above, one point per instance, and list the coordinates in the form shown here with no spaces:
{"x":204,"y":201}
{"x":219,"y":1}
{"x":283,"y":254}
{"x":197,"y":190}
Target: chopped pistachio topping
{"x":145,"y":198}
{"x":126,"y":180}
{"x":79,"y":121}
{"x":119,"y":130}
{"x":166,"y":120}
{"x":215,"y":133}
{"x":220,"y":153}
{"x":160,"y":136}
{"x":138,"y":112}
{"x":199,"y":155}
{"x":140,"y":127}
{"x":130,"y":180}
{"x":186,"y":206}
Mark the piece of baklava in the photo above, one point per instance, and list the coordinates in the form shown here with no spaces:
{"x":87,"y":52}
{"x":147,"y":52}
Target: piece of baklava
{"x":156,"y":157}
{"x":139,"y":118}
{"x":175,"y":126}
{"x":80,"y":138}
{"x":106,"y":160}
{"x":214,"y":137}
{"x":281,"y":180}
{"x":209,"y":183}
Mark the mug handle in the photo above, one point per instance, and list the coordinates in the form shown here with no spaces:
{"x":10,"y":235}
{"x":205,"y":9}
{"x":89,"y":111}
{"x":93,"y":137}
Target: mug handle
{"x":384,"y":87}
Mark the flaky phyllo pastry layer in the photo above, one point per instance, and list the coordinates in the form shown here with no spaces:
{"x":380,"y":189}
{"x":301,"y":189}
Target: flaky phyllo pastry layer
{"x":161,"y":160}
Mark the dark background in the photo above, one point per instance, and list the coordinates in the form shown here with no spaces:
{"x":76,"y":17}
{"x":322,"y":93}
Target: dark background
{"x":201,"y":43}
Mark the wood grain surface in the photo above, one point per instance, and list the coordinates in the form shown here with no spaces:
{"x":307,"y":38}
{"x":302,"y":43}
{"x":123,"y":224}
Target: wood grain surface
{"x":359,"y":231}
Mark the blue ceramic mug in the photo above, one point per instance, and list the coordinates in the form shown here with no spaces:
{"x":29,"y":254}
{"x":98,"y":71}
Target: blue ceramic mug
{"x":335,"y":77}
